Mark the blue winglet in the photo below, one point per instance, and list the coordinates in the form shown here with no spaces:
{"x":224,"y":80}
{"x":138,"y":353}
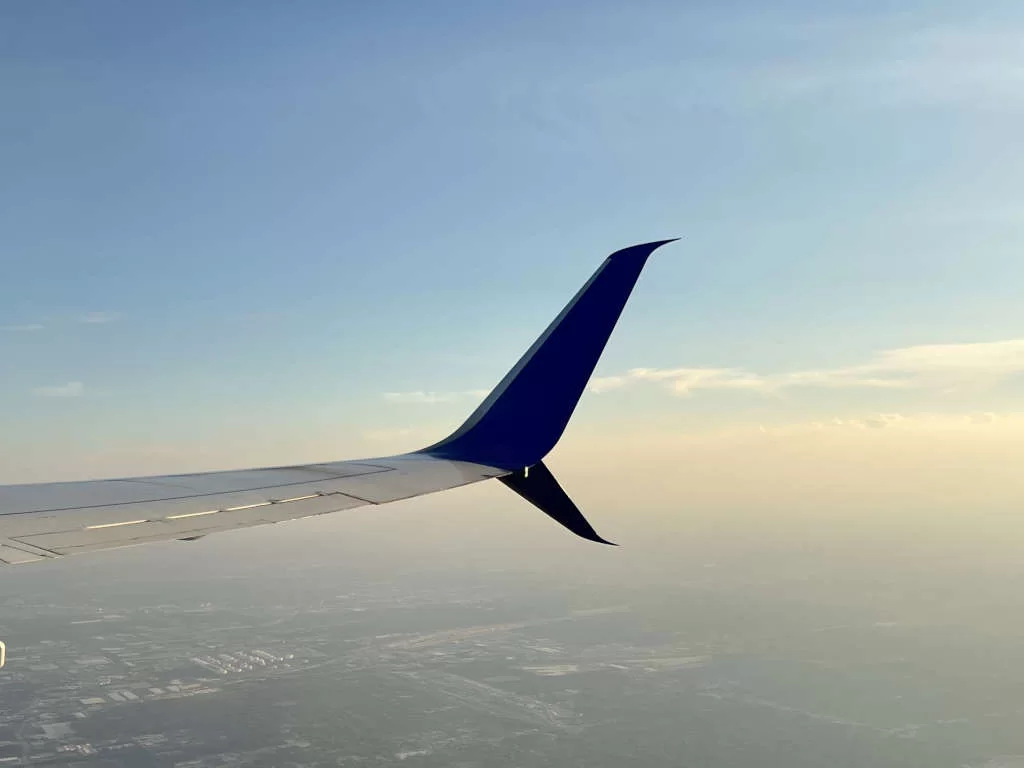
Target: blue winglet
{"x":539,"y":487}
{"x":524,"y":416}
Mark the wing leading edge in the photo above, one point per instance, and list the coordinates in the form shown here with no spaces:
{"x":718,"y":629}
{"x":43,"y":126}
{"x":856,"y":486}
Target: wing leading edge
{"x":506,"y":437}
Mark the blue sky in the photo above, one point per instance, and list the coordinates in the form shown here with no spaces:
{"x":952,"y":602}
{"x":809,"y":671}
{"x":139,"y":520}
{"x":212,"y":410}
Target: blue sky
{"x":260,"y":231}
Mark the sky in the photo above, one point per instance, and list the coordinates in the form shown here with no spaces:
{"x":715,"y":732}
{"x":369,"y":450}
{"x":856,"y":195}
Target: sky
{"x":259,"y":233}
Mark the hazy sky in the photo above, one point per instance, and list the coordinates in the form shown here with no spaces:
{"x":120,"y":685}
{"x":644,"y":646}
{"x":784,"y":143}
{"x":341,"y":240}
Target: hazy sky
{"x":239,"y":233}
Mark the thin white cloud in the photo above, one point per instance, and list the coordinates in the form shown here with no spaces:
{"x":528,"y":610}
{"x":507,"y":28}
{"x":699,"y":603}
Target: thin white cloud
{"x":434,"y":397}
{"x":906,"y":422}
{"x":422,"y":434}
{"x":71,"y":389}
{"x":900,"y":66}
{"x":877,"y":421}
{"x":930,"y":366}
{"x":387,"y":435}
{"x":24,"y":327}
{"x":97,"y":318}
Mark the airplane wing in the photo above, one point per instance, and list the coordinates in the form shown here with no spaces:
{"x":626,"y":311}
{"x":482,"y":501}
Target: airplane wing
{"x":506,"y":437}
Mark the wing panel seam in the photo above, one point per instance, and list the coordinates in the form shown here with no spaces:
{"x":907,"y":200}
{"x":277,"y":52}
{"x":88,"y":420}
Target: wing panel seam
{"x":197,"y":495}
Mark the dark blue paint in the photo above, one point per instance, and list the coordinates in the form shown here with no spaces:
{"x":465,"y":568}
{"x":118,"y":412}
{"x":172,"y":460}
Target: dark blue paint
{"x":522,"y":419}
{"x":539,"y":487}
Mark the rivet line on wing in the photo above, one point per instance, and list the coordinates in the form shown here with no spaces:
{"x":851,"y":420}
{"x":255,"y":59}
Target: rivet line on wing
{"x":114,"y":525}
{"x":192,"y":514}
{"x":247,"y":506}
{"x":186,"y":515}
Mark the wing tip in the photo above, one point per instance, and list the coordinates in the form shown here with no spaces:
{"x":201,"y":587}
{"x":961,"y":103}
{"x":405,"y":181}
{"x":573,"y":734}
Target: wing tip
{"x":642,"y":250}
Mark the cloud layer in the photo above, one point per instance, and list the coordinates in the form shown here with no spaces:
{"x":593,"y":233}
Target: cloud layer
{"x":97,"y":318}
{"x":434,"y":397}
{"x":930,"y":366}
{"x":70,"y":389}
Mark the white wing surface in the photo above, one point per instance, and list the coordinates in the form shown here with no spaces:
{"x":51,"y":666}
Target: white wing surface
{"x":506,"y":437}
{"x":55,"y":519}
